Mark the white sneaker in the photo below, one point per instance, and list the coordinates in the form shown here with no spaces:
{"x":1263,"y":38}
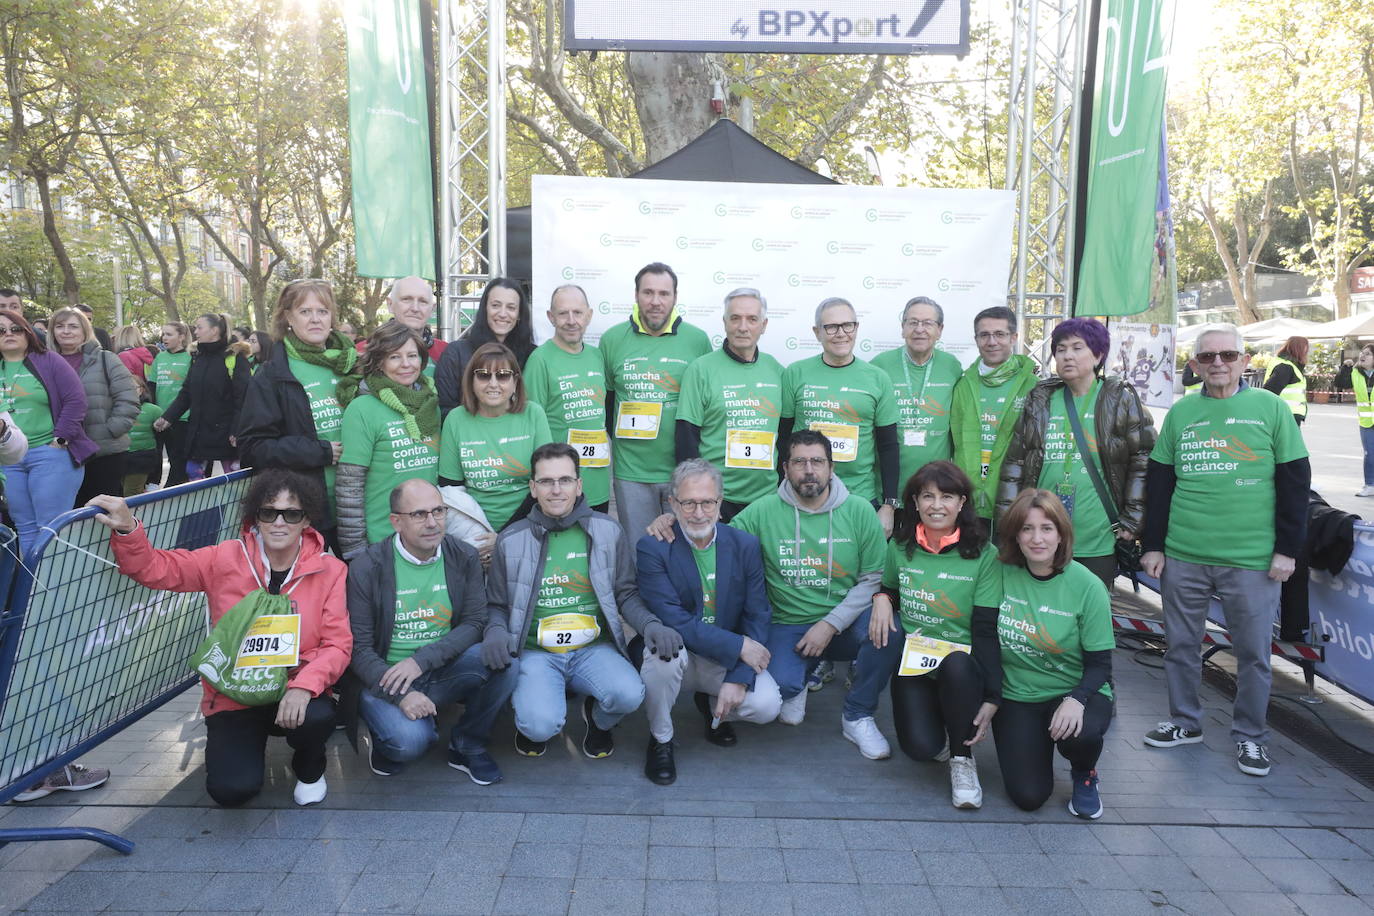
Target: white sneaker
{"x":794,"y":710}
{"x":1366,"y":490}
{"x":310,"y":793}
{"x":964,"y":788}
{"x":864,"y":732}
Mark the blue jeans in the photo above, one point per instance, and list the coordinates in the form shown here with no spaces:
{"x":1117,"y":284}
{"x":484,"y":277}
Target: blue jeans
{"x":465,"y":679}
{"x":598,"y":671}
{"x":872,"y":669}
{"x":39,"y":489}
{"x":1367,"y":440}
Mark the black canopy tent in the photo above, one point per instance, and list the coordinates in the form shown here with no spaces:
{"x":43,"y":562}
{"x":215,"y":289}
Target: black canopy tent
{"x":725,"y":152}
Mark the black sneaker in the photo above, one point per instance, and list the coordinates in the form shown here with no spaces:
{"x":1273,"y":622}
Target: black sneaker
{"x":380,"y":764}
{"x":597,"y":742}
{"x":723,"y":735}
{"x":479,"y":766}
{"x":1085,"y":801}
{"x":1167,"y":734}
{"x":659,"y":765}
{"x":1252,"y":758}
{"x":527,"y":748}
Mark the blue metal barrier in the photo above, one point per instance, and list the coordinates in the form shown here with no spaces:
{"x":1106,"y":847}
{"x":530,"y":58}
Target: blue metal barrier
{"x":85,"y":651}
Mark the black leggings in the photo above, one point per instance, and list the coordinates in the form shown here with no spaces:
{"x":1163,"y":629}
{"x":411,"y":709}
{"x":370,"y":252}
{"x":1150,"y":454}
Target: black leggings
{"x":931,"y":708}
{"x":236,"y":742}
{"x":174,"y":443}
{"x":1026,"y":751}
{"x":104,"y":477}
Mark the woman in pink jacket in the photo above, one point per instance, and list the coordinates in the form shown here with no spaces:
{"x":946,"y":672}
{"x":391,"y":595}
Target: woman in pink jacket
{"x":280,"y":553}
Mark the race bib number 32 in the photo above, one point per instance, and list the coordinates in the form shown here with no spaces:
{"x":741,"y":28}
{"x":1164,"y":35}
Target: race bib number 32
{"x":565,"y":632}
{"x":272,"y":641}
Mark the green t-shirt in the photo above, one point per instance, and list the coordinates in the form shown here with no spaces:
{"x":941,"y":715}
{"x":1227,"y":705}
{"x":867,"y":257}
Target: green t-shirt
{"x":923,"y":401}
{"x":491,"y":456}
{"x":846,"y":404}
{"x":141,"y":437}
{"x":23,"y":395}
{"x":423,"y":610}
{"x":1223,"y":452}
{"x":811,"y":561}
{"x":645,"y":373}
{"x":321,"y":386}
{"x":571,"y":387}
{"x":1044,"y":628}
{"x":375,"y":437}
{"x":938,"y":590}
{"x":706,"y":568}
{"x":737,"y":405}
{"x":992,"y":406}
{"x":566,"y":615}
{"x":168,"y":372}
{"x":1063,"y":472}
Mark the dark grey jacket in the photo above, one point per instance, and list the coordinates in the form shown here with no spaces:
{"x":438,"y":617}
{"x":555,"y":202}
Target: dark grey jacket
{"x":111,"y":399}
{"x":517,"y":564}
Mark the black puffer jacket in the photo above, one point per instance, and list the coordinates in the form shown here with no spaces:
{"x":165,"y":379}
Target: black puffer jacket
{"x":214,"y":398}
{"x":1127,"y":435}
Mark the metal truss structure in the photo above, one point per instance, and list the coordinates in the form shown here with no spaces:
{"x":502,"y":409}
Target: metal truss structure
{"x":1049,"y":40}
{"x":472,"y":125}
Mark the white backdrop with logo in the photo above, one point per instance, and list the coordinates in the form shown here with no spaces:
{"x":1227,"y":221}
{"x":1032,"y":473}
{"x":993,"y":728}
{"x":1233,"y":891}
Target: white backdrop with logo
{"x":797,"y":244}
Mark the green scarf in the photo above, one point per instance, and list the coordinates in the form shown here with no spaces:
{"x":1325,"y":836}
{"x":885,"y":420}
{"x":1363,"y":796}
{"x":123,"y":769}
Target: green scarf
{"x":419,"y":406}
{"x":337,"y":355}
{"x":966,"y":425}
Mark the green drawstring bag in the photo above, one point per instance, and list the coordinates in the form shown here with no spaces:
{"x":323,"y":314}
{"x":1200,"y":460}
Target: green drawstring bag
{"x":247,"y":655}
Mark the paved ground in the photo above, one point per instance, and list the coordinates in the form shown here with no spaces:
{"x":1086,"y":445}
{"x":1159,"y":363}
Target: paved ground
{"x":792,"y":820}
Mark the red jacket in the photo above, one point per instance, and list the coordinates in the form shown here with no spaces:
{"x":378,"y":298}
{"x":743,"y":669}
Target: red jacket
{"x":135,"y":359}
{"x":223,"y":572}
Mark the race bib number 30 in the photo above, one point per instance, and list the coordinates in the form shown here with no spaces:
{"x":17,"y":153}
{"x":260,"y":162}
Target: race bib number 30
{"x":844,"y":439}
{"x":272,"y":641}
{"x":922,"y":655}
{"x":565,"y":632}
{"x":593,"y":447}
{"x":748,"y":448}
{"x":638,"y":419}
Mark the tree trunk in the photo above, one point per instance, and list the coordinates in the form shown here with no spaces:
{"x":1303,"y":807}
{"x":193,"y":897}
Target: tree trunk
{"x":672,"y":94}
{"x":71,"y":286}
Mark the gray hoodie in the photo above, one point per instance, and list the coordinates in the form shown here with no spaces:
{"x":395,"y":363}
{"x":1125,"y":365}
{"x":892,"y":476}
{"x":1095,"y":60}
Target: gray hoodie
{"x":859,"y":598}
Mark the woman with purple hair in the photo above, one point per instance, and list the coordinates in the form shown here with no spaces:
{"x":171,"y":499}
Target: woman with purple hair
{"x":1079,"y":425}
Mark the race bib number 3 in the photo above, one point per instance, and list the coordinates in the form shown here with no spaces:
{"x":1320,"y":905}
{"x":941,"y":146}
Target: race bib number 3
{"x":565,"y":632}
{"x":844,"y":439}
{"x":748,"y":448}
{"x":638,"y":419}
{"x":272,"y":641}
{"x":922,"y":655}
{"x":593,"y":447}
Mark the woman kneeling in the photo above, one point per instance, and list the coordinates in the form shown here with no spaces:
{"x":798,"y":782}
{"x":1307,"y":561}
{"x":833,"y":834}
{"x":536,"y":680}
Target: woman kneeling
{"x":278,"y":553}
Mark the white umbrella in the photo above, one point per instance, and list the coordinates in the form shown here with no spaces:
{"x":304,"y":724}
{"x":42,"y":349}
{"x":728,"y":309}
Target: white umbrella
{"x":1361,"y":325}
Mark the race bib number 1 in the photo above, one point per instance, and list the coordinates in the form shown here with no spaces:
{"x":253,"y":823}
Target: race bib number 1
{"x":638,"y":419}
{"x":272,"y":641}
{"x":844,"y":439}
{"x":593,"y":447}
{"x":922,"y":655}
{"x":565,"y":632}
{"x":748,"y":448}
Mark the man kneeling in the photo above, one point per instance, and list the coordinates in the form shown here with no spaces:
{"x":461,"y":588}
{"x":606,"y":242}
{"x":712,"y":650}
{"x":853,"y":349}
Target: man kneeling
{"x":418,"y":605}
{"x":560,"y":590}
{"x":706,"y":583}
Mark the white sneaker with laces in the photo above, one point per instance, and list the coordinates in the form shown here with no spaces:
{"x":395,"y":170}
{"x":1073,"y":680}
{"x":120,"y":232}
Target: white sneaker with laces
{"x":1366,"y":490}
{"x":864,"y":732}
{"x":794,"y":710}
{"x":964,"y":789}
{"x":310,"y":793}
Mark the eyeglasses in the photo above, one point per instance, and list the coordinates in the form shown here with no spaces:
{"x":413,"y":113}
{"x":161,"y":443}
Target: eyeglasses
{"x":695,"y":505}
{"x":808,"y":462}
{"x":551,"y":483}
{"x":844,"y":327}
{"x":438,"y":513}
{"x":502,"y":375}
{"x":1210,"y":356}
{"x":989,"y":336}
{"x":12,"y":329}
{"x":928,"y":324}
{"x":269,"y":514}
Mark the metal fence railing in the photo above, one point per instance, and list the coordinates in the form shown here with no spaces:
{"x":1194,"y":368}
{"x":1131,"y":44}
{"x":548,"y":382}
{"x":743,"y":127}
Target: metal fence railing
{"x":86,"y":651}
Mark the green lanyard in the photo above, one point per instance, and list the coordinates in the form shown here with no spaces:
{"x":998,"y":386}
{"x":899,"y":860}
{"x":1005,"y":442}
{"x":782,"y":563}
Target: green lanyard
{"x":925,"y":380}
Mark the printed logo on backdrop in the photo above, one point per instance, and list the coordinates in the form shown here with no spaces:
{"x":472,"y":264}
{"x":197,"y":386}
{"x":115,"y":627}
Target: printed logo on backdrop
{"x":801,"y":345}
{"x":650,"y":208}
{"x":808,"y":281}
{"x":735,"y":280}
{"x":582,"y":273}
{"x":813,"y":212}
{"x":725,"y":210}
{"x":875,"y":215}
{"x":773,"y":244}
{"x":584,"y":206}
{"x":956,"y":286}
{"x":696,"y":243}
{"x":962,"y":217}
{"x":838,"y":247}
{"x":923,"y":251}
{"x":622,"y":241}
{"x":885,"y":282}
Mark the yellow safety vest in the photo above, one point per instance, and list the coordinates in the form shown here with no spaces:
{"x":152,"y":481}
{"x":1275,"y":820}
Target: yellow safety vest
{"x":1363,"y":402}
{"x":1296,"y":392}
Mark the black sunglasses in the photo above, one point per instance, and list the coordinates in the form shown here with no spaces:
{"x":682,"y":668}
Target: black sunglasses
{"x":1227,"y":356}
{"x":269,"y":514}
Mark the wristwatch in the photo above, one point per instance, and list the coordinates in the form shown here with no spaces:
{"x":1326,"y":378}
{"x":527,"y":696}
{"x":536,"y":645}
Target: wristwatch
{"x":893,"y":504}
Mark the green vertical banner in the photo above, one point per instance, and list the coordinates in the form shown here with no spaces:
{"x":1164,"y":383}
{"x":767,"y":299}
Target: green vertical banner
{"x":388,"y":136}
{"x":1119,"y":226}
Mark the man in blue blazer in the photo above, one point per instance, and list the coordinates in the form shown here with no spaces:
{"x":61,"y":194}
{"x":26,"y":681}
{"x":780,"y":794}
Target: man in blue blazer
{"x":707,"y":584}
